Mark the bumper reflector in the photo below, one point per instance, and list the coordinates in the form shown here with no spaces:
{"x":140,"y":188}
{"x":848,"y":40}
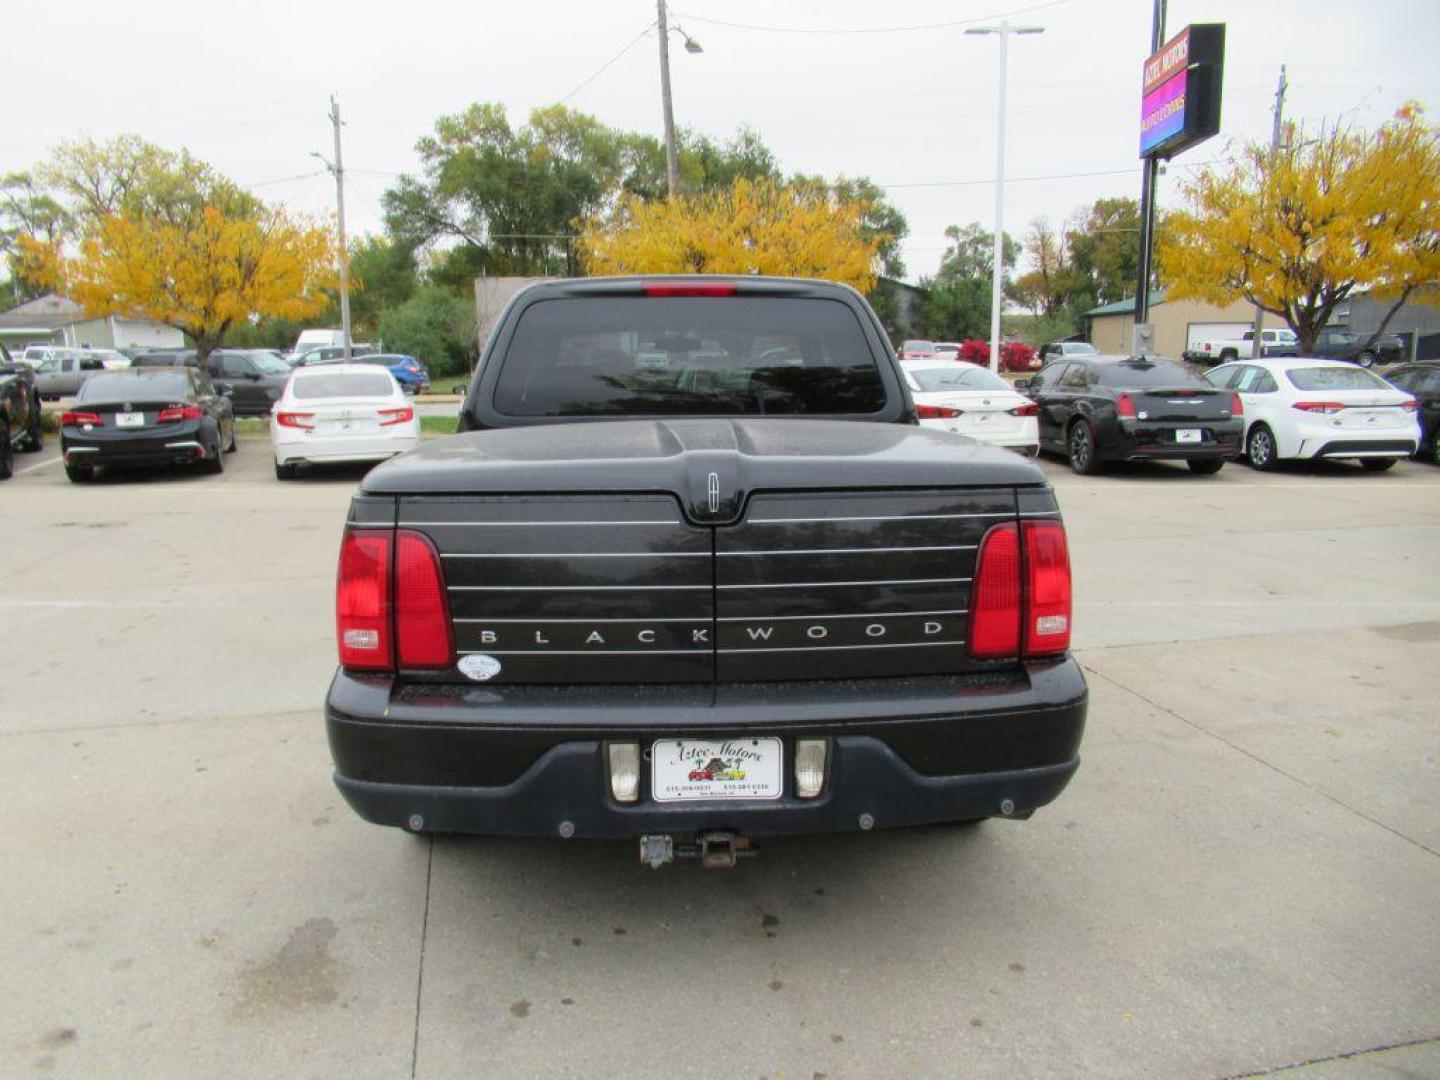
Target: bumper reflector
{"x":809,"y":767}
{"x":624,"y":771}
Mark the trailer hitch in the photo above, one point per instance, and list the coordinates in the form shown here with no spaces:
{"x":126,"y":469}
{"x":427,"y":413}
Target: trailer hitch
{"x":715,"y":850}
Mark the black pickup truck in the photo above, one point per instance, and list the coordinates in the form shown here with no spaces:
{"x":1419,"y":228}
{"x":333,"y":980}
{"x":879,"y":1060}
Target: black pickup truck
{"x":693,"y":574}
{"x":19,"y":412}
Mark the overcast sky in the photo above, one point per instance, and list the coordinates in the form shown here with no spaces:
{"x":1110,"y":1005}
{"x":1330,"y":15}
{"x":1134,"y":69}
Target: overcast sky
{"x":912,"y":109}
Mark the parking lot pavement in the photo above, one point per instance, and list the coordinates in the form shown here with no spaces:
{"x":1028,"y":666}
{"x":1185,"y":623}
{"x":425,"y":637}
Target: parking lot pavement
{"x":1241,"y":878}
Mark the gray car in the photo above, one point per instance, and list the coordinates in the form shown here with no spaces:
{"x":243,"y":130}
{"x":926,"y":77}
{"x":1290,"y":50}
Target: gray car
{"x":253,"y":379}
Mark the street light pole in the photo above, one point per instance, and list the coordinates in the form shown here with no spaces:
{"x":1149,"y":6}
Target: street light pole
{"x":1256,"y":350}
{"x":338,"y":168}
{"x":1003,"y":31}
{"x":672,"y":162}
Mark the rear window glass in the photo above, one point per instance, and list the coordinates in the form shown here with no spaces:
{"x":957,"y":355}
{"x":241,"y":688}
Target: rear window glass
{"x":1335,"y":378}
{"x":958,"y":377}
{"x":1147,"y":375}
{"x":342,"y":384}
{"x":155,"y":384}
{"x":635,"y":356}
{"x":917,"y":346}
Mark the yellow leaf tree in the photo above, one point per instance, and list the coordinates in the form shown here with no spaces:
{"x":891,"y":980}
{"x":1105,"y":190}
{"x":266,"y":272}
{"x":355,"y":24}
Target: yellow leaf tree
{"x":165,"y":236}
{"x":752,"y":227}
{"x":1342,"y":213}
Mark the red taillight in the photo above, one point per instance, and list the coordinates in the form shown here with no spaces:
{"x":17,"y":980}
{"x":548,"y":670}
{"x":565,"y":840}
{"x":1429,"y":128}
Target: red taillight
{"x":1125,"y":407}
{"x":688,"y":288}
{"x":390,"y":417}
{"x":1008,"y":620}
{"x":1028,"y":409}
{"x":75,"y":419}
{"x":937,"y":412}
{"x":1047,"y":595}
{"x":179,"y":412}
{"x":1408,"y":406}
{"x":362,"y":601}
{"x":423,"y":636}
{"x":1237,"y":407}
{"x":303,"y":420}
{"x":995,"y":595}
{"x":1326,"y":407}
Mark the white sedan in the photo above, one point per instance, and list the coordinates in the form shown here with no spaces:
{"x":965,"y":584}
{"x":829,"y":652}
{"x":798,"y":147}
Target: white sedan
{"x":340,"y":413}
{"x":1301,"y":408}
{"x":968,"y":400}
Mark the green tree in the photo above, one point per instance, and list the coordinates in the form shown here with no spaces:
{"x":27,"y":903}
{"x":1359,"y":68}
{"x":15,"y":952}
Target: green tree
{"x":27,"y":210}
{"x":1104,"y":244}
{"x":958,"y":305}
{"x":436,"y":327}
{"x":384,"y":276}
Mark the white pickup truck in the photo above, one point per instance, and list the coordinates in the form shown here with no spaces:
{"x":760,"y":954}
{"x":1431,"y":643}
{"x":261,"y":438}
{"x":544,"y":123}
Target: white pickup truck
{"x":1282,"y":342}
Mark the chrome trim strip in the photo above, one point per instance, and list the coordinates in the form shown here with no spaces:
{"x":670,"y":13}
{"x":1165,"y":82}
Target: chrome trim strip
{"x":817,"y":618}
{"x":183,"y":444}
{"x":853,"y":551}
{"x":584,"y":622}
{"x":587,"y":652}
{"x":837,"y":648}
{"x":574,"y":554}
{"x":527,"y":524}
{"x":836,"y":584}
{"x":82,"y":450}
{"x":877,"y":517}
{"x":571,"y":588}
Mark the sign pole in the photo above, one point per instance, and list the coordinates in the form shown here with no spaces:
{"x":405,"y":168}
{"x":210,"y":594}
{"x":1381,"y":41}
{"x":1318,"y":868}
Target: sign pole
{"x":1147,"y":211}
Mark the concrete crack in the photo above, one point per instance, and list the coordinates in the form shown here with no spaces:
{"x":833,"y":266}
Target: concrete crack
{"x":420,"y":972}
{"x":1425,"y":1040}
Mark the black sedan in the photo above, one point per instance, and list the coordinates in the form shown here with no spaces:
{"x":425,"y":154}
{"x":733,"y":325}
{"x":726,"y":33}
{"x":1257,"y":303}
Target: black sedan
{"x":147,"y":416}
{"x":1123,"y":408}
{"x":1423,"y":381}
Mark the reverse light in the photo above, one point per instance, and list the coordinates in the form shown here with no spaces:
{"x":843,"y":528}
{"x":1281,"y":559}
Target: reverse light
{"x":937,"y":412}
{"x":391,"y":417}
{"x":624,"y":771}
{"x":688,"y":288}
{"x":362,"y":601}
{"x":423,"y":635}
{"x":1124,"y":407}
{"x":305,"y":421}
{"x":78,"y":419}
{"x":1329,"y":408}
{"x":1027,"y":409}
{"x":809,"y":767}
{"x":179,"y":412}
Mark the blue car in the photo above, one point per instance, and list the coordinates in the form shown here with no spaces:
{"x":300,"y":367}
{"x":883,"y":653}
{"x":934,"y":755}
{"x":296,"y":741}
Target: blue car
{"x":408,"y":372}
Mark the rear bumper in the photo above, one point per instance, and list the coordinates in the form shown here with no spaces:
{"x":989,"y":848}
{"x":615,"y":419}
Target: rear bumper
{"x":338,"y":450}
{"x":523,"y":761}
{"x":186,"y":443}
{"x":1141,"y":441}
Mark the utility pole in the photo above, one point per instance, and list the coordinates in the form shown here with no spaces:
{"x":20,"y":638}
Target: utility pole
{"x":339,"y":170}
{"x":1147,"y":201}
{"x":672,"y":163}
{"x":1256,"y":350}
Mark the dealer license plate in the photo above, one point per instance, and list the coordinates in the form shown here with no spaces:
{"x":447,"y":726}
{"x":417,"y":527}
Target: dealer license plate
{"x":130,"y":419}
{"x":683,"y":769}
{"x":1190,"y":434}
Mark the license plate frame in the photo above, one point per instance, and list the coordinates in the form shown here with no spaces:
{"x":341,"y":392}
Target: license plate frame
{"x":1189,"y":435}
{"x":129,"y":419}
{"x":759,"y":762}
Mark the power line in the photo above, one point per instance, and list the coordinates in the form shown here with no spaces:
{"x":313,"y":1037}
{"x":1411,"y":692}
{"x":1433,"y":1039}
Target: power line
{"x":1021,"y":179}
{"x":869,"y":29}
{"x":288,"y":179}
{"x":605,"y":66}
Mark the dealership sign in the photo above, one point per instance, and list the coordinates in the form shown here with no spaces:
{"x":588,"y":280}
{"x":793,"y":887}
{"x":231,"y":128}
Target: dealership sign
{"x":1180,"y":91}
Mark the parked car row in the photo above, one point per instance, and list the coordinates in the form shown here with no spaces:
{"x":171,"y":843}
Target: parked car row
{"x":19,"y":412}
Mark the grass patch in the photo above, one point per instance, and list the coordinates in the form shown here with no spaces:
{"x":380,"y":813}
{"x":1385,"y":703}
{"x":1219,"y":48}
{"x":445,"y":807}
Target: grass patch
{"x":439,"y":425}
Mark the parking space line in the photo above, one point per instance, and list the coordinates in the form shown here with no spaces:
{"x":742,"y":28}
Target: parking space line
{"x":42,"y":465}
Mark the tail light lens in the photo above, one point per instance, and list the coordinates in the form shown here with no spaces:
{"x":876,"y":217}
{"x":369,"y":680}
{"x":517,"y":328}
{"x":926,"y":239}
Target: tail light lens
{"x":179,"y":412}
{"x":995,"y":595}
{"x":1028,"y":409}
{"x":303,"y":420}
{"x":1021,"y":607}
{"x":1125,"y":407}
{"x":76,"y":419}
{"x":1047,"y":593}
{"x":1237,"y":407}
{"x":937,"y":412}
{"x":391,"y":417}
{"x":362,"y":602}
{"x":1408,"y":406}
{"x":1329,"y":408}
{"x":423,"y":633}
